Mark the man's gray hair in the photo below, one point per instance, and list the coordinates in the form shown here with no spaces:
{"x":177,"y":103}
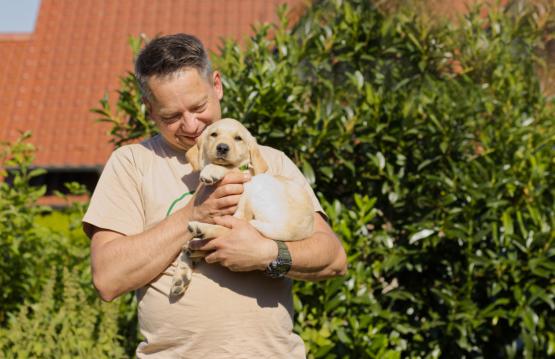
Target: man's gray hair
{"x":167,"y":56}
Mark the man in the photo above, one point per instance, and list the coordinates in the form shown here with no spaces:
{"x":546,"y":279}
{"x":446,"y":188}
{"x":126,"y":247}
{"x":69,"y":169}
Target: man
{"x":138,"y":216}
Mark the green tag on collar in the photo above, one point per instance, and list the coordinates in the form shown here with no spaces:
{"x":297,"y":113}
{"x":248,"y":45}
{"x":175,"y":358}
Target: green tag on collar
{"x":244,"y":167}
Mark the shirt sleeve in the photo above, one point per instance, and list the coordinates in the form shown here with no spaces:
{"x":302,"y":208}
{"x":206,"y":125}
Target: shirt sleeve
{"x":116,"y":203}
{"x":290,"y":170}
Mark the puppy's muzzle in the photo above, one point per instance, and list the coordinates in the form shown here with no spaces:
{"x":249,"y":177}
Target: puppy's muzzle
{"x":222,"y":149}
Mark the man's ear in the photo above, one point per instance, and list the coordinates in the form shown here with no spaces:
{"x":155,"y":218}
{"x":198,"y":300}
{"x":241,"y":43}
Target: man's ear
{"x":259,"y":165}
{"x":217,"y":84}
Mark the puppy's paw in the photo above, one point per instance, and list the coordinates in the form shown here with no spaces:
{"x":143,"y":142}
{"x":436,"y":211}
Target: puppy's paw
{"x":209,"y":180}
{"x":197,"y":254}
{"x":195,"y":228}
{"x":212,"y":174}
{"x":178,"y":288}
{"x":180,"y":285}
{"x":182,"y":277}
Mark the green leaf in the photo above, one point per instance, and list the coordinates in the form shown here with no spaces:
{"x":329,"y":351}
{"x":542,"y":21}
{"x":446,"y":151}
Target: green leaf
{"x":308,"y":172}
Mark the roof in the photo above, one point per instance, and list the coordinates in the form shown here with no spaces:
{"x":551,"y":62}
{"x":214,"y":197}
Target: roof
{"x":51,"y":78}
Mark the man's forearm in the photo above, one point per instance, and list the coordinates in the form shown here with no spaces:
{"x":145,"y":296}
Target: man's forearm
{"x":124,"y":263}
{"x":318,"y":257}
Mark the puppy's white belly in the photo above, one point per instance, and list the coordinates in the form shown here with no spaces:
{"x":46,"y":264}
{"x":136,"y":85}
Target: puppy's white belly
{"x":282,"y":209}
{"x":267,"y":198}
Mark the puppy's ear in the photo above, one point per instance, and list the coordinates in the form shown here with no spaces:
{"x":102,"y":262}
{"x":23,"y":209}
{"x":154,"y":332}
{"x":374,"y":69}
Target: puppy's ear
{"x":192,"y":156}
{"x":195,"y":155}
{"x":259,"y":165}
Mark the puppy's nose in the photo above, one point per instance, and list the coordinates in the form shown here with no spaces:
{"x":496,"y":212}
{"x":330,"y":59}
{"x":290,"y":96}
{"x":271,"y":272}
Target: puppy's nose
{"x":222,"y":149}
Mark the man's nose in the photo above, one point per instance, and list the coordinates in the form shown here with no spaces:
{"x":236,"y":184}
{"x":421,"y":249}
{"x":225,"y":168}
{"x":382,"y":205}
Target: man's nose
{"x":189,"y":123}
{"x":222,"y":149}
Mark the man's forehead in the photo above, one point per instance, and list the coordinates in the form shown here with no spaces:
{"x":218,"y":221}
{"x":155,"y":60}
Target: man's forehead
{"x":184,"y":83}
{"x":177,"y":99}
{"x":191,"y":102}
{"x":191,"y":75}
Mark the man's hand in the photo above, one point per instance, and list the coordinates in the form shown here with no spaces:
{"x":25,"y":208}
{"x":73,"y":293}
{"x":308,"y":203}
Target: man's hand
{"x":241,"y":249}
{"x":219,"y":199}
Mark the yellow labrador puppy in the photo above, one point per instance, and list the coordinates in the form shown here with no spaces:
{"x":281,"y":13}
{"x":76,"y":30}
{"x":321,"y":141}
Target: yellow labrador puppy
{"x":276,"y":206}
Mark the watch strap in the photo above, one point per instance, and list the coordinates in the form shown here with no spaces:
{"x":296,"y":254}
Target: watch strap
{"x":280,"y":266}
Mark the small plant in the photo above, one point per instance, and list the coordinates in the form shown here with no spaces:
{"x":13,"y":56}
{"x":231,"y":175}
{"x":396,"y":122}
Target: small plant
{"x":19,"y":239}
{"x":64,"y":323}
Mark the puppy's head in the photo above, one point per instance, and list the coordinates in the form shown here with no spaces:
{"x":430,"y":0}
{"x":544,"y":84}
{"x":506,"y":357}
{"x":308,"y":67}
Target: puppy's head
{"x":226,"y":143}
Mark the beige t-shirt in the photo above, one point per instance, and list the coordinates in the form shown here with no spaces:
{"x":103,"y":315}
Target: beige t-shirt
{"x":223,"y":314}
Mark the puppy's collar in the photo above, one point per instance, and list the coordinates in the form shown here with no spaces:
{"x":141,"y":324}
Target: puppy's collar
{"x":245,"y":167}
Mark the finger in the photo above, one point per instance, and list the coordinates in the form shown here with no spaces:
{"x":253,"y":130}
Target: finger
{"x":227,"y":221}
{"x":229,"y":211}
{"x":197,"y":244}
{"x":235,"y":177}
{"x":228,"y":201}
{"x":205,"y":245}
{"x":228,"y":190}
{"x":212,"y":258}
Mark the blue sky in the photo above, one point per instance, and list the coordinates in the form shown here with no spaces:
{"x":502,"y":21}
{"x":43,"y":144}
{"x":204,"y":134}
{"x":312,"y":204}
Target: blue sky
{"x":18,"y":15}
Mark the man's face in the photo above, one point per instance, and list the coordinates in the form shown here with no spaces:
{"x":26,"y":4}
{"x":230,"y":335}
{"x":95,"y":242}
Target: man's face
{"x":183,"y":104}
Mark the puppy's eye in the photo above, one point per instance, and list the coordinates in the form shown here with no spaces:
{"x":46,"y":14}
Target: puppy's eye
{"x":238,"y":138}
{"x":213,"y":134}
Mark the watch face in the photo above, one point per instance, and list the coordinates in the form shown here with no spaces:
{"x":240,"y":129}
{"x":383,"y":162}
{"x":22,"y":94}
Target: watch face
{"x":275,"y":269}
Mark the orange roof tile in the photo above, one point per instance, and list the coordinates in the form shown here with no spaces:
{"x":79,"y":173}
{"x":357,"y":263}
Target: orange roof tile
{"x":53,"y":77}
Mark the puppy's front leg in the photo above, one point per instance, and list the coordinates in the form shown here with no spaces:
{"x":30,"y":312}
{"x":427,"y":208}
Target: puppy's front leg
{"x":212,"y":173}
{"x":202,"y":231}
{"x":206,"y":230}
{"x":182,"y":275}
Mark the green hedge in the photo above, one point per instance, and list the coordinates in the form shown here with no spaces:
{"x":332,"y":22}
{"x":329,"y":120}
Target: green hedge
{"x":430,"y":146}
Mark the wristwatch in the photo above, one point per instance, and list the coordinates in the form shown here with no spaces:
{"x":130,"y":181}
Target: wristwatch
{"x":279,"y":267}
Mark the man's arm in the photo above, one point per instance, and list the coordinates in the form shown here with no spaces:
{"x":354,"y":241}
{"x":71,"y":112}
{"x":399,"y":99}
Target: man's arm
{"x":123,"y":263}
{"x":317,"y":257}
